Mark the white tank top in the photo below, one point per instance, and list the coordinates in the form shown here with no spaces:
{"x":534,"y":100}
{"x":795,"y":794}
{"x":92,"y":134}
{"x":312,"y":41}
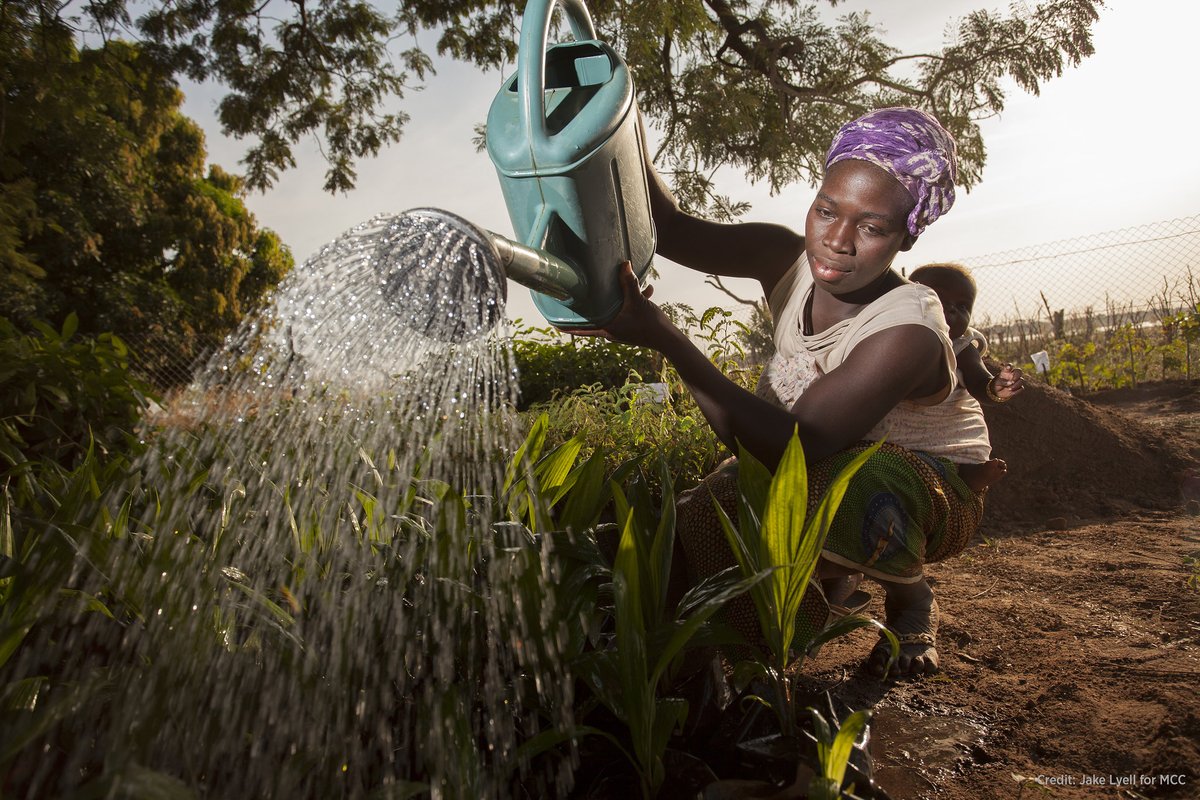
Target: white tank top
{"x":952,"y":426}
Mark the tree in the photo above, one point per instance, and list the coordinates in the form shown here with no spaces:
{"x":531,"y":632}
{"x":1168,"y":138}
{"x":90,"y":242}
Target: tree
{"x":764,"y":86}
{"x":106,"y":209}
{"x":759,"y":85}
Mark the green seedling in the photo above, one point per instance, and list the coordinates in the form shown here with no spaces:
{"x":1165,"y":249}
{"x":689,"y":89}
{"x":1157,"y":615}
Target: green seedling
{"x":777,"y":535}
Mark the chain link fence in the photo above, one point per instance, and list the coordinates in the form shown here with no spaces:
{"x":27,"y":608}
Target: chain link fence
{"x":168,"y":359}
{"x":1100,"y":311}
{"x":1093,"y":312}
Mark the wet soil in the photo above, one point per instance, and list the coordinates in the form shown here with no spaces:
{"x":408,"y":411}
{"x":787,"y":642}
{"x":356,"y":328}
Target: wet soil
{"x":1070,"y":628}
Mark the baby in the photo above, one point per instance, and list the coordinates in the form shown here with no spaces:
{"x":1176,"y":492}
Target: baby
{"x":956,"y":289}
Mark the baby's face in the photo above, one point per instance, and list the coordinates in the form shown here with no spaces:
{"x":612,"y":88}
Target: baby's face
{"x":958,"y":299}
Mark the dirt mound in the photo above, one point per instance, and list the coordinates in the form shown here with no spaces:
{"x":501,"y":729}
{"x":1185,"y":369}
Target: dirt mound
{"x":1170,"y":407}
{"x":1070,"y":458}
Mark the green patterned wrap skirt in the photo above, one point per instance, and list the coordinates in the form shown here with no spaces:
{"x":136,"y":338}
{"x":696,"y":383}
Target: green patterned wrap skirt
{"x":903,"y":509}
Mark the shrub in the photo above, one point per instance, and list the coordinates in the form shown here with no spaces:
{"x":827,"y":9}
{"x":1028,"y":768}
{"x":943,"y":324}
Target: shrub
{"x":594,"y":389}
{"x":551,"y":363}
{"x":621,"y":424}
{"x":61,"y":396}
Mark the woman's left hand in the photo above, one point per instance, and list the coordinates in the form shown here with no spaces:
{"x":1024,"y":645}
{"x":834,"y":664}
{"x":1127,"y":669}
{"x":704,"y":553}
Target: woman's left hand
{"x":639,"y":322}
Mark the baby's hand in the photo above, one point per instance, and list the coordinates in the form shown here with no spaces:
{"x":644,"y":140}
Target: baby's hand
{"x":1007,"y":383}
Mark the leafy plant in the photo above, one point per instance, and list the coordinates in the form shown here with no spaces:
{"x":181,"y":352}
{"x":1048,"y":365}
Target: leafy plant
{"x":1070,"y":365}
{"x":1124,"y":345}
{"x":834,"y":748}
{"x":649,"y":637}
{"x":68,"y":407}
{"x":1129,"y":341}
{"x":552,"y":364}
{"x":777,"y":534}
{"x":1191,"y":564}
{"x":428,"y":569}
{"x":1189,"y":333}
{"x":61,"y":396}
{"x":619,"y":424}
{"x":532,"y":484}
{"x":736,"y":348}
{"x":593,"y":390}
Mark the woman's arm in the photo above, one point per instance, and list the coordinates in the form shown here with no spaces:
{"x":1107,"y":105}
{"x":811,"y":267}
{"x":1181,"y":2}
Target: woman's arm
{"x":836,"y":411}
{"x":756,"y":250}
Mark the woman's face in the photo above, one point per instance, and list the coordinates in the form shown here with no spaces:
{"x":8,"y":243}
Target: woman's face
{"x":856,"y":225}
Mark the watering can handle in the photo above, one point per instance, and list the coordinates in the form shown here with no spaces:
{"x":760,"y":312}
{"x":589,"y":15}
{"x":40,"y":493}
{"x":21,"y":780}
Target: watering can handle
{"x":531,"y":59}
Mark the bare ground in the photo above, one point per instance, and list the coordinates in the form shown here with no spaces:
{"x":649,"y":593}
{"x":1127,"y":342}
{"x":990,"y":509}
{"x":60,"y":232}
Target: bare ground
{"x":1070,"y":635}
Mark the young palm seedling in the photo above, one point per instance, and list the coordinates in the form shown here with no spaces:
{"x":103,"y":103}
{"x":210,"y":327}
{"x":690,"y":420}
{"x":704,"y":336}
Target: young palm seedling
{"x":834,"y":748}
{"x":628,"y":676}
{"x":777,"y":534}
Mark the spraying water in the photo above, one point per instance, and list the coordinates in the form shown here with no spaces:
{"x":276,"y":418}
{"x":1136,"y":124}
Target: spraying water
{"x":315,"y":591}
{"x":309,"y":587}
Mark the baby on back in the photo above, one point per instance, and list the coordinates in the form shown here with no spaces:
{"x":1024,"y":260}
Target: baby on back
{"x":955,"y":287}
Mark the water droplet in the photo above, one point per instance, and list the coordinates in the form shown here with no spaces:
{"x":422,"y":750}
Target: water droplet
{"x":335,"y":370}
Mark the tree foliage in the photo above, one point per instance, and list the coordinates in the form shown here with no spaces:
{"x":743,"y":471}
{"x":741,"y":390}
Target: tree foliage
{"x":763,"y":86}
{"x":107,"y":209}
{"x":758,"y":85}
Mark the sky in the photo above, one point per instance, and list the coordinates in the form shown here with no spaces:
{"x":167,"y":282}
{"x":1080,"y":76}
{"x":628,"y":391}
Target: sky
{"x":1106,"y":146}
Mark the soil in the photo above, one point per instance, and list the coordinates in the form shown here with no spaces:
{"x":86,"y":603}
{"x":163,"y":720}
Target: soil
{"x":1070,"y":629}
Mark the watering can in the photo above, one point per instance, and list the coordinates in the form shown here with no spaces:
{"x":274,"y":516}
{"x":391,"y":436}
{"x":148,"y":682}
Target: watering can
{"x":564,"y":136}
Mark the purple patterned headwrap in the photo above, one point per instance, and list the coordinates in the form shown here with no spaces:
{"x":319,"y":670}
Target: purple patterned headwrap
{"x":913,"y":148}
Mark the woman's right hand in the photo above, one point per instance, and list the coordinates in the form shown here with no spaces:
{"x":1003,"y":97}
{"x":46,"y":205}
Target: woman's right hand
{"x":639,"y":322}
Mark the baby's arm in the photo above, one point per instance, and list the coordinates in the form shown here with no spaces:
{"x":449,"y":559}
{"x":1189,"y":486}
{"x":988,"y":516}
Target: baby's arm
{"x":977,"y":378}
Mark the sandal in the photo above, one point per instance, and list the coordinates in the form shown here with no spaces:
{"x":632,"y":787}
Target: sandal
{"x":925,"y":639}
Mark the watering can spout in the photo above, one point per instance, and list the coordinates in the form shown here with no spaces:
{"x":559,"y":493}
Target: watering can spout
{"x":538,"y":270}
{"x":432,"y":255}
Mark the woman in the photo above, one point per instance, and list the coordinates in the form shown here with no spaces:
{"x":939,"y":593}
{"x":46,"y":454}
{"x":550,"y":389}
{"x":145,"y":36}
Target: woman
{"x":860,"y":350}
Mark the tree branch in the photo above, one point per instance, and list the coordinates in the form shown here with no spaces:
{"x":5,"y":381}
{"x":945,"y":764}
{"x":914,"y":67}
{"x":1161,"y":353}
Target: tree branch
{"x":715,"y":282}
